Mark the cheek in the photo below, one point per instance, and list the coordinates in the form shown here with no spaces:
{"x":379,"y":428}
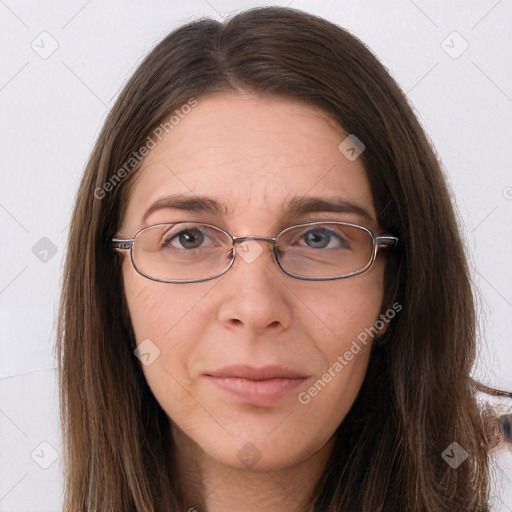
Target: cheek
{"x":161,"y":315}
{"x":347,"y":310}
{"x":347,"y":313}
{"x":157,"y":310}
{"x":153,"y":314}
{"x":347,"y":325}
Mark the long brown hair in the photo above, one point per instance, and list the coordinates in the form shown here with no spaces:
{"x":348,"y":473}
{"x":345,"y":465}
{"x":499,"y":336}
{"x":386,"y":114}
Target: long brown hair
{"x":417,"y":397}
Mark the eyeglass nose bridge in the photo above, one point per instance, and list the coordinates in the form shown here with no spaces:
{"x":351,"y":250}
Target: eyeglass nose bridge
{"x":241,"y":239}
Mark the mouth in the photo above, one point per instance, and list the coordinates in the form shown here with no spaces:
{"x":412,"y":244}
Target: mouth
{"x":256,"y":386}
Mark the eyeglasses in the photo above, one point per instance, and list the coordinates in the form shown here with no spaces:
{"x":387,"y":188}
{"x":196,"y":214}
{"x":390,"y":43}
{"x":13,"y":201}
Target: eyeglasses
{"x":497,"y":420}
{"x":190,"y":252}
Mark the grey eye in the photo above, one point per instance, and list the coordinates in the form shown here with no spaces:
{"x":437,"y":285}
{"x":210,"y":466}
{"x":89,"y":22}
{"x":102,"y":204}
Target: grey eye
{"x":320,"y":238}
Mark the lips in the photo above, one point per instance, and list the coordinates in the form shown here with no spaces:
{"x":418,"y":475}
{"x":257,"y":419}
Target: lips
{"x":251,"y":373}
{"x":256,"y":386}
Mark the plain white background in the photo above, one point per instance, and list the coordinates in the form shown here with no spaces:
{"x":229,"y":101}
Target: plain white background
{"x":63,"y":64}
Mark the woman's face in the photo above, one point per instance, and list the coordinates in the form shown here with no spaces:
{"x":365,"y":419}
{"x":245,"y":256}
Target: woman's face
{"x":253,"y":156}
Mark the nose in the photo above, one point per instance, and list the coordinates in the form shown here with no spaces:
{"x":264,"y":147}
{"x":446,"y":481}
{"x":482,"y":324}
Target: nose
{"x":253,"y":294}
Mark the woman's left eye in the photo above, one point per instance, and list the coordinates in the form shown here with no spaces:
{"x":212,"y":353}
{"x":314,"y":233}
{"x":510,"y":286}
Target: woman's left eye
{"x":324,"y":238}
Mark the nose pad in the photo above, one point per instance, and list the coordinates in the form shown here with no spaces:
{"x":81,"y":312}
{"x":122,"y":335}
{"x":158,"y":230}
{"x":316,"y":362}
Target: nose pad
{"x":249,"y":250}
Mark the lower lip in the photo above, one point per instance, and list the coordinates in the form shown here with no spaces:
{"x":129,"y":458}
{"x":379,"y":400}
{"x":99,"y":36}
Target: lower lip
{"x":258,"y":392}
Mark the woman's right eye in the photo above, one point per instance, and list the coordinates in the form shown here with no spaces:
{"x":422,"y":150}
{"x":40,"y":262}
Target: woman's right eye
{"x":184,"y":239}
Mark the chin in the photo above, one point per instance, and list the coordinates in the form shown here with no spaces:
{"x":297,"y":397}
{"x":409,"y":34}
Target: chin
{"x":260,"y":455}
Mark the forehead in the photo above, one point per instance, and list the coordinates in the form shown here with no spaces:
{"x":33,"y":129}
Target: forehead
{"x":253,"y":156}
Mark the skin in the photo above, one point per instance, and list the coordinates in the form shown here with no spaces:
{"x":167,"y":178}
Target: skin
{"x":253,"y":155}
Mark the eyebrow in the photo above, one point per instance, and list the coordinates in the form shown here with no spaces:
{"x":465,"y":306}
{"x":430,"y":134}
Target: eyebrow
{"x":297,"y":206}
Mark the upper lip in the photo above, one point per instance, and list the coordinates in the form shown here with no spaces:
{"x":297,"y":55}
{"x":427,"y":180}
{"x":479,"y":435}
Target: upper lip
{"x":252,"y":373}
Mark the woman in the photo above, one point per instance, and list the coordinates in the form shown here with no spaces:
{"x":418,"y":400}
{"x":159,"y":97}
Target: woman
{"x":266,"y":302}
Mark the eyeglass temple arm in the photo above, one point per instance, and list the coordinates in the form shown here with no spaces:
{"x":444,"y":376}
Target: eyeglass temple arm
{"x":120,"y":245}
{"x":386,"y":241}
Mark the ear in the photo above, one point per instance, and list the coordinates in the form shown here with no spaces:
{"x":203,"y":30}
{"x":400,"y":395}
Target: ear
{"x":384,"y":321}
{"x":378,"y":340}
{"x":390,"y":306}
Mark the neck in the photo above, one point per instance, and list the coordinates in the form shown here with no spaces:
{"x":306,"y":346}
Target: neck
{"x":206,"y":485}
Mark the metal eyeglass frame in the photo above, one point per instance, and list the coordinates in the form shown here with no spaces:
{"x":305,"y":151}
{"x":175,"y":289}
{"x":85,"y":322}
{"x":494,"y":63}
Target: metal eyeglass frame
{"x":384,"y":241}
